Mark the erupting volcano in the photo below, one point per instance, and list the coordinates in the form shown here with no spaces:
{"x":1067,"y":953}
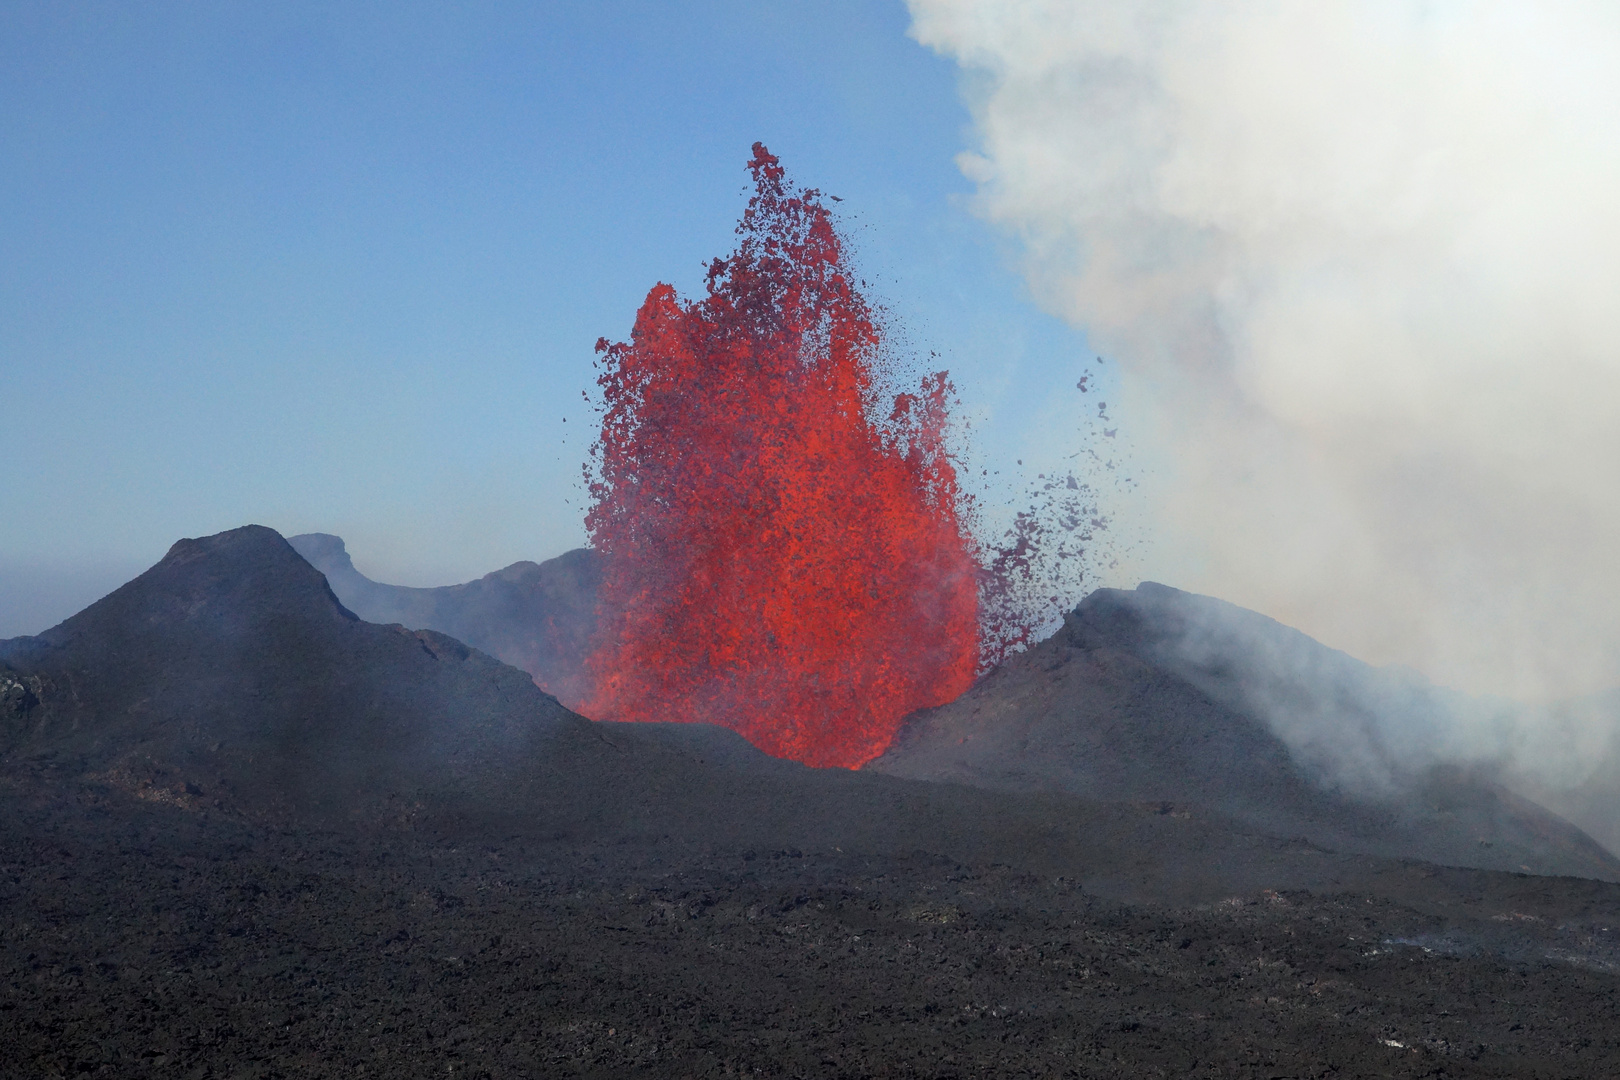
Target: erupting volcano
{"x":783,"y":545}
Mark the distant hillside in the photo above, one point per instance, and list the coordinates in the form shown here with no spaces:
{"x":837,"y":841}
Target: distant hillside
{"x":230,"y":675}
{"x":1160,"y":696}
{"x":228,"y":680}
{"x":1225,"y":708}
{"x":534,"y":616}
{"x":244,"y":832}
{"x":1592,"y":800}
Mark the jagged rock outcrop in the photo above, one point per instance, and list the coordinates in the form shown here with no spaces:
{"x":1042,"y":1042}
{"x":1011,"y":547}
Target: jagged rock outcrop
{"x":19,"y":695}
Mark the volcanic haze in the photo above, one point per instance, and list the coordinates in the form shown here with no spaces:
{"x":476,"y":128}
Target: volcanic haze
{"x":1358,"y":262}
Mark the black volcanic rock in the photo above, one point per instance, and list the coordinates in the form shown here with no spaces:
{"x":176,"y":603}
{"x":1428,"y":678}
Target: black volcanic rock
{"x":1158,"y":696}
{"x":229,"y":678}
{"x":231,"y":665}
{"x":243,"y":833}
{"x":534,"y":616}
{"x":1348,"y":724}
{"x":229,"y":675}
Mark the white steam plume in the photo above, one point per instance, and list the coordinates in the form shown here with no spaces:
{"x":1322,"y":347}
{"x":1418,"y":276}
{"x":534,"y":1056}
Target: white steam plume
{"x":1360,"y":262}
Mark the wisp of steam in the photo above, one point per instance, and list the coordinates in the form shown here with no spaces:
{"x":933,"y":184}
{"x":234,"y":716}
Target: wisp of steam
{"x":1359,"y":263}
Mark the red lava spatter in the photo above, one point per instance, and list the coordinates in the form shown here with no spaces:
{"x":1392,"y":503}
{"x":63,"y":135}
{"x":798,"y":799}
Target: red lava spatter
{"x":781,"y":553}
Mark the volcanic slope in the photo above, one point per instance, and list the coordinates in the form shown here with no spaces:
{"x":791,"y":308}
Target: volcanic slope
{"x":243,"y":833}
{"x":228,"y":678}
{"x":232,"y":667}
{"x":1157,"y":695}
{"x":1587,"y":790}
{"x":534,"y":616}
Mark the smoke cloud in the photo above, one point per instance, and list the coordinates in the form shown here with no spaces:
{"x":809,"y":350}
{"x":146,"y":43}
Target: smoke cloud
{"x":1360,"y":263}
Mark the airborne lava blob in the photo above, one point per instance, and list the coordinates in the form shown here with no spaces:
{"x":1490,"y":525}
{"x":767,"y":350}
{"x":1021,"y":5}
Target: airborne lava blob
{"x":783,"y":553}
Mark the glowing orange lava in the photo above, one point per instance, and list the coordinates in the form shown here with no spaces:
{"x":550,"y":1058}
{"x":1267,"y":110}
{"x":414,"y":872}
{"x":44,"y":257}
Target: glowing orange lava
{"x":781,"y":553}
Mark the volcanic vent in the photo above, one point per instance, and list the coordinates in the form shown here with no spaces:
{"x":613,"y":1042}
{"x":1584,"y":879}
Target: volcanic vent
{"x":783,"y":546}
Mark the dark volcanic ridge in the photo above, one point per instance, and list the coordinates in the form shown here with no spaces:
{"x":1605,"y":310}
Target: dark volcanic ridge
{"x":1117,"y":707}
{"x":245,"y":833}
{"x":1150,"y":696}
{"x":535,"y":616}
{"x":228,"y":679}
{"x":230,"y":676}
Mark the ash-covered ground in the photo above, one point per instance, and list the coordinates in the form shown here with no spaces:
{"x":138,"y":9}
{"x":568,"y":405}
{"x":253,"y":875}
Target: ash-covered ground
{"x":244,"y":833}
{"x":167,"y":942}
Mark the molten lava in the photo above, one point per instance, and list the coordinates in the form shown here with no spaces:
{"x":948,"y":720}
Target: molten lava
{"x":783,"y":553}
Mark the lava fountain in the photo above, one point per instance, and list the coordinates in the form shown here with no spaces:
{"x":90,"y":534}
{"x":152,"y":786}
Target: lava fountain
{"x":783,"y":546}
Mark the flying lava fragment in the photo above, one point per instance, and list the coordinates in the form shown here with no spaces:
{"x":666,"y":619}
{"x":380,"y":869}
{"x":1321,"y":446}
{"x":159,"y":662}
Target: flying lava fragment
{"x":783,"y":546}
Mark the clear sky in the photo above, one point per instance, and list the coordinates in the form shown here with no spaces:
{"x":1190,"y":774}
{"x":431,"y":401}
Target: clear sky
{"x":340,"y":267}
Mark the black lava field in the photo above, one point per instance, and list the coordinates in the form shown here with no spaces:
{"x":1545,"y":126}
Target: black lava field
{"x":247,"y":833}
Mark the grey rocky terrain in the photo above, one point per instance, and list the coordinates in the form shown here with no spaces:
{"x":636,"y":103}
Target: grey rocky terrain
{"x":535,"y":616}
{"x":1140,"y":696}
{"x":246,"y":833}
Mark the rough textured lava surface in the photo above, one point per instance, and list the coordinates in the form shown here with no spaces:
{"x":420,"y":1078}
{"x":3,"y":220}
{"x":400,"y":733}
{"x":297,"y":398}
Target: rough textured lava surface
{"x":782,"y":548}
{"x":244,"y":834}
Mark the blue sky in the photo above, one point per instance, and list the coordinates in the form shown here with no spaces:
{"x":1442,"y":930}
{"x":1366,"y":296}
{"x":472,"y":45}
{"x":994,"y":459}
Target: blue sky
{"x":340,"y":267}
